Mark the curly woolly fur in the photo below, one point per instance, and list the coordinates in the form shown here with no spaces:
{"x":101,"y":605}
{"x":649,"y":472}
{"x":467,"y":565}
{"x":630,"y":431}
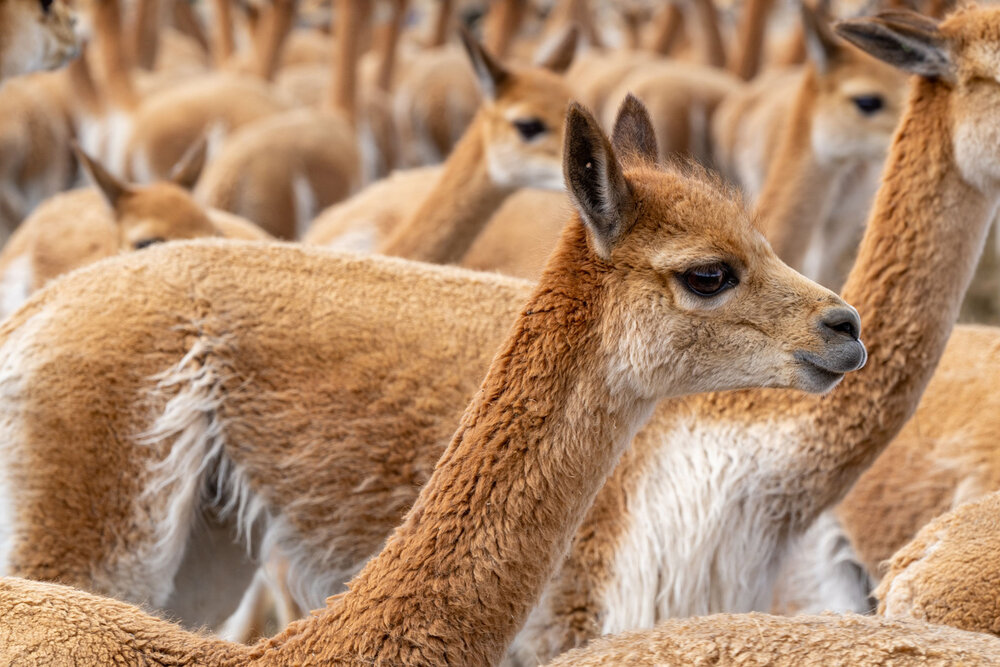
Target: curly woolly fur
{"x":770,"y":462}
{"x":948,"y":574}
{"x":602,"y":337}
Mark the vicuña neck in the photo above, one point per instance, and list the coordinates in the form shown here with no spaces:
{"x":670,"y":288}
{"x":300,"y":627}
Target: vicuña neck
{"x":924,"y":237}
{"x":445,"y":225}
{"x":799,"y":192}
{"x":117,"y":73}
{"x":532,"y":450}
{"x":352,"y":21}
{"x":750,"y":42}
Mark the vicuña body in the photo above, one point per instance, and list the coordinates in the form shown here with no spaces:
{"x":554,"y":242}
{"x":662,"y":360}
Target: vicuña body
{"x":738,"y":476}
{"x":642,"y":299}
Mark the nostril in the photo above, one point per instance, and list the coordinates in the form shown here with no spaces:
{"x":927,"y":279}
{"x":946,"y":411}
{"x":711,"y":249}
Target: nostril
{"x":843,"y":321}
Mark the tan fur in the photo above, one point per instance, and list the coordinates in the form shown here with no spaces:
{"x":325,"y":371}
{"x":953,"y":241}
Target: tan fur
{"x":682,"y":99}
{"x":946,"y":455}
{"x":948,"y":573}
{"x":927,"y":227}
{"x":76,"y":228}
{"x":35,"y":160}
{"x":799,"y":145}
{"x":165,"y":124}
{"x":282,"y":170}
{"x":606,"y":332}
{"x":33,"y":38}
{"x":758,"y":639}
{"x":484,"y":168}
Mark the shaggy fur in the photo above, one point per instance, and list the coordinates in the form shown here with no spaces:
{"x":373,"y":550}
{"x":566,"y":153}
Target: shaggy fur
{"x":606,"y":333}
{"x":485,"y":167}
{"x":948,"y":574}
{"x":812,"y":641}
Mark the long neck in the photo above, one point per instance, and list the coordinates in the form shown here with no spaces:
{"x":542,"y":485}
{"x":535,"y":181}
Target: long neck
{"x":456,"y":580}
{"x":442,"y":229}
{"x":708,"y":17}
{"x":351,"y":20}
{"x":390,"y":45}
{"x":924,"y":237}
{"x":750,"y":41}
{"x":442,"y":24}
{"x":799,"y":191}
{"x":667,"y":29}
{"x":223,"y":43}
{"x":502,"y":24}
{"x":277,"y":25}
{"x":574,"y":12}
{"x":145,"y":34}
{"x":117,"y":75}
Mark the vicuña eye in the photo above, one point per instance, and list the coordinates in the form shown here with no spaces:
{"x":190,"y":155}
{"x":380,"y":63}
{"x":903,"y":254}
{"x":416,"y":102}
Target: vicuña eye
{"x":529,"y":128}
{"x":868,"y":104}
{"x":46,"y":5}
{"x":145,"y":243}
{"x":710,"y":279}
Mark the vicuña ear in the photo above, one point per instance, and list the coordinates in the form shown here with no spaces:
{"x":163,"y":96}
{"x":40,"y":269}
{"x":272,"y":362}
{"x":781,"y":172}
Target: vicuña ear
{"x":110,"y":186}
{"x":188,"y":169}
{"x":559,"y":56}
{"x":490,"y":73}
{"x":595,"y":181}
{"x":907,"y":40}
{"x":822,"y":44}
{"x":634,"y":137}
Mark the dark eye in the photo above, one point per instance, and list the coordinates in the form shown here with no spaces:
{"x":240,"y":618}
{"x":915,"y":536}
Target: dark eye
{"x":145,"y":243}
{"x":529,"y":128}
{"x":46,"y":5}
{"x":710,"y":279}
{"x":868,"y":104}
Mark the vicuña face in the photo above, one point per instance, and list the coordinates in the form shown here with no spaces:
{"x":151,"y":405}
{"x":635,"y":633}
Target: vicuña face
{"x":524,"y":131}
{"x":858,"y":106}
{"x":159,"y":213}
{"x":35,"y":35}
{"x":973,"y":40}
{"x":706,"y":304}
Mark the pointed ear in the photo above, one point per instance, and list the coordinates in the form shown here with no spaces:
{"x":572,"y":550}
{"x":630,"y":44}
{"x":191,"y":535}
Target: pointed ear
{"x":822,"y":45}
{"x":490,"y":73}
{"x":634,"y":137}
{"x":907,"y":40}
{"x":594,"y":179}
{"x":110,"y":186}
{"x":188,"y":169}
{"x":559,"y":56}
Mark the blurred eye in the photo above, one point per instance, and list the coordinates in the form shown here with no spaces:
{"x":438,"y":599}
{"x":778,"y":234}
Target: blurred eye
{"x":145,"y":243}
{"x":46,"y":5}
{"x":710,"y":279}
{"x":529,"y":128}
{"x":868,"y":104}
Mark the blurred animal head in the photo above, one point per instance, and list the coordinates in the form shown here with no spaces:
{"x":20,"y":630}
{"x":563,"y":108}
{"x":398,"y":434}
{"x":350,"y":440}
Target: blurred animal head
{"x":35,"y":35}
{"x":523,"y":115}
{"x":858,"y":100}
{"x":163,"y":211}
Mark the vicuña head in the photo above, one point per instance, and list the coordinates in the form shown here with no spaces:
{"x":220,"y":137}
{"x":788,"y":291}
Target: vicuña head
{"x":960,"y":52}
{"x":163,"y":211}
{"x":522,"y":115}
{"x":858,"y":99}
{"x":35,"y":35}
{"x":682,"y":247}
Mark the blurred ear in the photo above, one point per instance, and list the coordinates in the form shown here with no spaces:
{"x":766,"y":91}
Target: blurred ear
{"x":490,"y":73}
{"x":110,"y":186}
{"x":634,"y":137}
{"x":822,"y":45}
{"x":909,"y":41}
{"x":559,"y":56}
{"x":595,"y":181}
{"x":188,"y":169}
